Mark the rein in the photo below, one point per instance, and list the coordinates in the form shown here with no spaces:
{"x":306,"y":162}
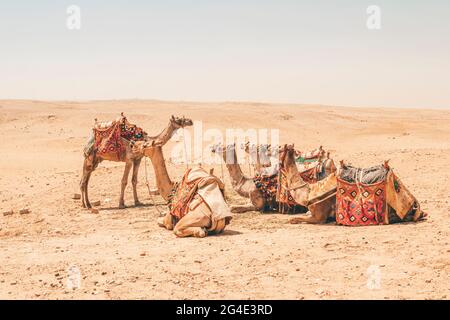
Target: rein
{"x":152,"y":198}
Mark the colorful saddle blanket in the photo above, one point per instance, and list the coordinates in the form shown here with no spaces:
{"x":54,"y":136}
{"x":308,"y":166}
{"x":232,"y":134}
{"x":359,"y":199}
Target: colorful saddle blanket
{"x":107,"y":138}
{"x":283,"y":194}
{"x":310,"y":165}
{"x":268,"y":186}
{"x":369,"y":196}
{"x":274,"y":187}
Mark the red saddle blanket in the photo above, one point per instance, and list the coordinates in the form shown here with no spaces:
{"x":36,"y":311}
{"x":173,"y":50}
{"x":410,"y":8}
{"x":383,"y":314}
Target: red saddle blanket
{"x":361,"y":204}
{"x":108,"y":139}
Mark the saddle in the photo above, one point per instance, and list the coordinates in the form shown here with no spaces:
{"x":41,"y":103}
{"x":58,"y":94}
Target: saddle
{"x":371,"y":196}
{"x":106,"y":138}
{"x":197,"y":187}
{"x":311,"y":170}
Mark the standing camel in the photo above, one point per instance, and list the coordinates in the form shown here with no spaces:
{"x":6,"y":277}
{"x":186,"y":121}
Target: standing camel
{"x":201,"y":219}
{"x":132,"y":160}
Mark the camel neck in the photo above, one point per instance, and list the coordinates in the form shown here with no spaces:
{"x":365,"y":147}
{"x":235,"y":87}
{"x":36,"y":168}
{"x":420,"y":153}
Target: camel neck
{"x":166,"y":134}
{"x":236,"y":174}
{"x":163,"y":181}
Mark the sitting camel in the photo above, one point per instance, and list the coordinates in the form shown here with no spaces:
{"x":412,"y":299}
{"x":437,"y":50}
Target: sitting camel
{"x":319,"y":197}
{"x":247,"y":188}
{"x":243,"y":185}
{"x":266,"y":159}
{"x":202,"y":211}
{"x":366,"y":196}
{"x":259,"y":154}
{"x":131,"y":159}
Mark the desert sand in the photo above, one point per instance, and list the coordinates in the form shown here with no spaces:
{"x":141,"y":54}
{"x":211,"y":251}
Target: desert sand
{"x":123,"y":254}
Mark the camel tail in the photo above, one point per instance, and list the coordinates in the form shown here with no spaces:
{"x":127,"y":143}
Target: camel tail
{"x":89,"y":147}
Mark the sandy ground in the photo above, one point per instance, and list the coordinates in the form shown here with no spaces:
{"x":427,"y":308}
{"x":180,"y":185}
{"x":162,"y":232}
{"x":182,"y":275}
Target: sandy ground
{"x":123,"y":254}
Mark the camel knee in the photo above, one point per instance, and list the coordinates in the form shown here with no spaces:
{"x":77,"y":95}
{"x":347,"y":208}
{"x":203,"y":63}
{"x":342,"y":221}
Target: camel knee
{"x":164,"y":222}
{"x":197,"y":232}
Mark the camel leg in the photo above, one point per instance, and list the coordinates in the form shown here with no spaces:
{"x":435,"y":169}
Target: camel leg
{"x":136,"y":164}
{"x":166,"y":221}
{"x":88,"y":168}
{"x":194,"y":223}
{"x":318,"y":212}
{"x":126,"y":172}
{"x":243,"y":208}
{"x":308,"y":218}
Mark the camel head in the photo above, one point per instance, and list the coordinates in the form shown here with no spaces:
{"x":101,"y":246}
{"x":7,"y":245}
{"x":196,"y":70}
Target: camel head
{"x":228,"y":152}
{"x":246,"y":146}
{"x":180,"y":122}
{"x":287,"y":156}
{"x":146,"y":148}
{"x":216,"y":148}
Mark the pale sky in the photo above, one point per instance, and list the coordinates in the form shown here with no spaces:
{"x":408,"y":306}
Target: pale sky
{"x":317,"y":52}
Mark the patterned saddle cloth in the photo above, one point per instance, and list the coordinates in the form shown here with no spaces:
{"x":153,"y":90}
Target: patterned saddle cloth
{"x":274,"y":186}
{"x":371,"y":196}
{"x":107,"y":138}
{"x":268,"y":186}
{"x":310,"y":165}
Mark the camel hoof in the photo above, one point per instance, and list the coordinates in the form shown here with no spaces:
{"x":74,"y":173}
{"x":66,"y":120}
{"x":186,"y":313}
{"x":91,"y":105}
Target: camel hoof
{"x":138,"y":204}
{"x":201,"y":234}
{"x":122,"y":206}
{"x":160,"y":222}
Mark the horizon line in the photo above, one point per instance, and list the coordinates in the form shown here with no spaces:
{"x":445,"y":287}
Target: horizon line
{"x":230,"y":102}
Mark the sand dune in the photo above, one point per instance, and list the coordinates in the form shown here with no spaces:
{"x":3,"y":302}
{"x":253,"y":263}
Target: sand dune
{"x":124,"y":254}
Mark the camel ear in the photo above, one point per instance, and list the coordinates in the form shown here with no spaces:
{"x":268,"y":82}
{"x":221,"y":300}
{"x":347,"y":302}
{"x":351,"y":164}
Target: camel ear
{"x":342,"y":164}
{"x":386,"y":164}
{"x":173,"y":118}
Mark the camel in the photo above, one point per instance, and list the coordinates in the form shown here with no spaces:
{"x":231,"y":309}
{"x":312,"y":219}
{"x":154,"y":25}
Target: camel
{"x":319,"y":198}
{"x":259,"y":154}
{"x":243,"y":185}
{"x":200,"y":219}
{"x":264,"y":155}
{"x":132,"y":160}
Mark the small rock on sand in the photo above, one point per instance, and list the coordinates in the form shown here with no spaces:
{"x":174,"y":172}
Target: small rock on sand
{"x":24,"y":211}
{"x":76,"y":196}
{"x":96,"y":203}
{"x":8,"y":213}
{"x":94,"y":211}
